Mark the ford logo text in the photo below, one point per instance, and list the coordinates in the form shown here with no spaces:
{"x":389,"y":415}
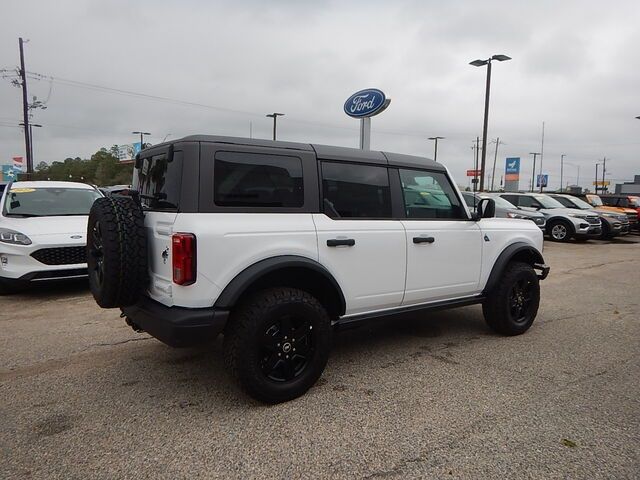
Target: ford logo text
{"x":365,"y":103}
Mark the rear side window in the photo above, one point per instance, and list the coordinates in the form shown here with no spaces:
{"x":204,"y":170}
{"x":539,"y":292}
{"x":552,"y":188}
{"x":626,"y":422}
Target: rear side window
{"x":159,"y":181}
{"x":355,"y":191}
{"x":257,"y":180}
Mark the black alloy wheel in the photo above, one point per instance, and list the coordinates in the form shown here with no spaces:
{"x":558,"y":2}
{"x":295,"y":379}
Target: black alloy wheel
{"x":520,"y":298}
{"x":277,"y":343}
{"x":512,"y":305}
{"x":287,"y":346}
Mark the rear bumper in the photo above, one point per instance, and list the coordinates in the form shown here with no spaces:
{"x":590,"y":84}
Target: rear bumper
{"x":176,"y":326}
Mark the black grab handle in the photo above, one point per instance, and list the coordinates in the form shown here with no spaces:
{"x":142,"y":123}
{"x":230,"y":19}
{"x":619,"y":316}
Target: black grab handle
{"x":423,"y":239}
{"x":338,"y":242}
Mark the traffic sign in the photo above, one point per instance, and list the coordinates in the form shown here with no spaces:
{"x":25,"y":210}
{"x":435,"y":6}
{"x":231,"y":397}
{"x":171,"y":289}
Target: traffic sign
{"x":474,"y":173}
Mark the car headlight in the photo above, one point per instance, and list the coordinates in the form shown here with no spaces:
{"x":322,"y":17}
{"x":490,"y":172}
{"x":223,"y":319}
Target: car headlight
{"x":576,"y":215}
{"x":517,"y":215}
{"x":13,"y":237}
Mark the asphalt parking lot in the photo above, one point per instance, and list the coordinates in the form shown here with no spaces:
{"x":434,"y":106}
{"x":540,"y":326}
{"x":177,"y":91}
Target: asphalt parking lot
{"x":83,"y":396}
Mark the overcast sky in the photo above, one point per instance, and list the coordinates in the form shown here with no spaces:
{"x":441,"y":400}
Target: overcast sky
{"x":575,"y":66}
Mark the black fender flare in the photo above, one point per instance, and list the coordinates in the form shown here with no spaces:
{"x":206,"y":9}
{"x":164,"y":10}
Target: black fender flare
{"x":516,"y":250}
{"x":242,"y":281}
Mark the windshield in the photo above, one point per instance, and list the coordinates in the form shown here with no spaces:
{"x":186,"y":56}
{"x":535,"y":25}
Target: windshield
{"x":634,"y":202}
{"x":48,"y":202}
{"x":581,"y":204}
{"x":595,"y":200}
{"x":573,"y":202}
{"x":548,"y":202}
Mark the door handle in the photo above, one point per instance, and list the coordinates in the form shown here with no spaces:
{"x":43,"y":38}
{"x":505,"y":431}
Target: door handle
{"x":338,"y":242}
{"x":423,"y":239}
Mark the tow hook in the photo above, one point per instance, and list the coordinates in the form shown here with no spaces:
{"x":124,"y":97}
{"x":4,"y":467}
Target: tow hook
{"x":543,"y":270}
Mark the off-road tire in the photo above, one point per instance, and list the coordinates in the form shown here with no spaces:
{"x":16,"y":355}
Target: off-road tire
{"x":561,"y":225}
{"x":116,"y":251}
{"x":244,"y":350}
{"x":497,"y":309}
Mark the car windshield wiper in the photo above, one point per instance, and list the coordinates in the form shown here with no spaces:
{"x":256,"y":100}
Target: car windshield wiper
{"x":22,"y":215}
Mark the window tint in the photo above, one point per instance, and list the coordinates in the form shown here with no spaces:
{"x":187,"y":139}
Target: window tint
{"x":429,"y":195}
{"x":159,"y":181}
{"x":469,"y":199}
{"x":355,"y":191}
{"x":257,"y":180}
{"x":526,"y":201}
{"x":512,"y":199}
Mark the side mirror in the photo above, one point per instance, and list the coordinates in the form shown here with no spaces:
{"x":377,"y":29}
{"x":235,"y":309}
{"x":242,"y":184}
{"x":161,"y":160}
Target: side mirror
{"x":486,"y":209}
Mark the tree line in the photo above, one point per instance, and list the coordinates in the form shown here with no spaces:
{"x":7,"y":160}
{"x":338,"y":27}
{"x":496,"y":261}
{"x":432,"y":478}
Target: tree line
{"x":102,"y":169}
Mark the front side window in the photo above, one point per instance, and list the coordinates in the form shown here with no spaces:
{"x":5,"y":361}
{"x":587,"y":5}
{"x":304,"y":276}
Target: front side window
{"x":257,"y":180}
{"x":49,"y":202}
{"x":512,"y":199}
{"x":528,"y":201}
{"x":158,"y":179}
{"x":429,"y":195}
{"x":355,"y":191}
{"x":469,"y":199}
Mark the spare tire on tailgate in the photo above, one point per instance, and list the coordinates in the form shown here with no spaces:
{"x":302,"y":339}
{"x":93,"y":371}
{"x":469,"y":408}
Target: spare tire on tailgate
{"x":116,"y":251}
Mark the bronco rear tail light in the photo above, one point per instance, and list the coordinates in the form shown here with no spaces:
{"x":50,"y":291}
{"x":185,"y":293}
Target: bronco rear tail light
{"x":184,"y":258}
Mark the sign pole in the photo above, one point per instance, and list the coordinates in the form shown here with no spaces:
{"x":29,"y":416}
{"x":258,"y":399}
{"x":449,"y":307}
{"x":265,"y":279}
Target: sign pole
{"x":365,"y":133}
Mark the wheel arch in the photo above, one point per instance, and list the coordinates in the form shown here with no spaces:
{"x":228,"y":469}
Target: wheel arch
{"x":519,"y":251}
{"x":566,"y":221}
{"x":285,"y":271}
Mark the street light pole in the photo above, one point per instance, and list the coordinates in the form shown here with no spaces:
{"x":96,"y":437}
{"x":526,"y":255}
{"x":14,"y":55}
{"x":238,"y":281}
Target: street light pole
{"x":480,"y":63}
{"x":435,"y":150}
{"x":142,"y":134}
{"x":533,"y":174}
{"x":275,"y":116}
{"x":561,"y":169}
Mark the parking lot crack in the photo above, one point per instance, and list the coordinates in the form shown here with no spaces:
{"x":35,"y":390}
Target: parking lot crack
{"x":113,"y":344}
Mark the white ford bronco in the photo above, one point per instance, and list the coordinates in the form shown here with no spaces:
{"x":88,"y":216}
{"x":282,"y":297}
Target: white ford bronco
{"x":275,"y":244}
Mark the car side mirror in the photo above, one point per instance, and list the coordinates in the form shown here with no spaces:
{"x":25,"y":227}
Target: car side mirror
{"x":486,"y":208}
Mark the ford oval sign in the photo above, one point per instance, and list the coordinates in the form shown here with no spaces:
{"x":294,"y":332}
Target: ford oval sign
{"x":365,"y":103}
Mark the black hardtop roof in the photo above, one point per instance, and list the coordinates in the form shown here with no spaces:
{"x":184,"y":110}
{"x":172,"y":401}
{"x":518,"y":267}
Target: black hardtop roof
{"x":327,"y":152}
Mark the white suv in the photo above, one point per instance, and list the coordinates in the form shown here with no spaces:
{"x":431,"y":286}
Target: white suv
{"x":275,"y":243}
{"x":43,"y":227}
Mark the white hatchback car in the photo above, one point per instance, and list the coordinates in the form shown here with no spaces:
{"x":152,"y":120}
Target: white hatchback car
{"x":43,"y":228}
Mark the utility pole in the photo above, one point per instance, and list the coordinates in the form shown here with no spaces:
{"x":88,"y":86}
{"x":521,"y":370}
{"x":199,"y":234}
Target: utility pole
{"x":541,"y":156}
{"x":275,"y":116}
{"x":533,"y":174}
{"x":561,"y":170}
{"x":435,"y":151}
{"x":25,"y":110}
{"x":495,"y":158}
{"x":604,"y":168}
{"x":475,"y":166}
{"x":596,"y":182}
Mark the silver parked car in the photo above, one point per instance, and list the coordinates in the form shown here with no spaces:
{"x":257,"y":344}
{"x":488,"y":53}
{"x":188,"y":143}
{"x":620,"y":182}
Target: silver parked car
{"x":613,"y":224}
{"x":563,"y":223}
{"x":504,"y":209}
